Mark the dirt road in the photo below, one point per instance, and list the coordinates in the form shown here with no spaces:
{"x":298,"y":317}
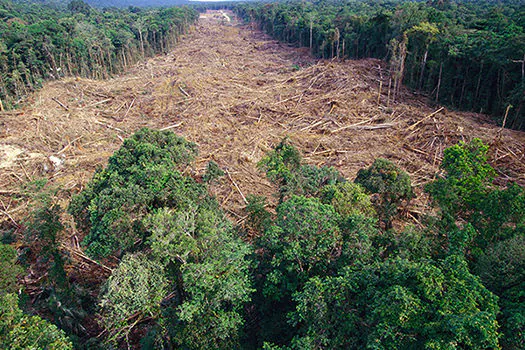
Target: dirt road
{"x":236,"y":93}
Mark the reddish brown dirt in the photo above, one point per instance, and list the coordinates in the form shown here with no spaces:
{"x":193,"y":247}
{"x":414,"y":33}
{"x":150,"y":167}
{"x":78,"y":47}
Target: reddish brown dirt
{"x":237,"y":93}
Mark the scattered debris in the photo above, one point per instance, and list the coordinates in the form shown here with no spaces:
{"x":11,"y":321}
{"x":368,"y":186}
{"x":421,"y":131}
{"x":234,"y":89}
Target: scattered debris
{"x":237,"y":93}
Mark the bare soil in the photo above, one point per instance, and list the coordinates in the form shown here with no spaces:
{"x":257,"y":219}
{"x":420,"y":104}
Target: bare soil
{"x":236,"y":93}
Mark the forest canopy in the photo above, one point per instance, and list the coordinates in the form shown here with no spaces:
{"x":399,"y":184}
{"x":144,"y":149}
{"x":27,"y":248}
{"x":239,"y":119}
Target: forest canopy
{"x":140,"y":254}
{"x":468,"y":55}
{"x":329,"y":268}
{"x":43,"y":42}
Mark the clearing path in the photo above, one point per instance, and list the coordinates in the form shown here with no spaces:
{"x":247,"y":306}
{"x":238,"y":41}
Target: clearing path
{"x":237,"y":93}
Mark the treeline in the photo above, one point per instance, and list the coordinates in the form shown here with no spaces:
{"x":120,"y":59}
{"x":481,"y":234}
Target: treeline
{"x":338,"y":264}
{"x":41,"y":42}
{"x":467,"y":54}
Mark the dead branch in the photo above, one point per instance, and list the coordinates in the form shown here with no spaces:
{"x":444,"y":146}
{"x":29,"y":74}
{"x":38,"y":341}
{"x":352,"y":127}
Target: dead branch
{"x":98,"y":103}
{"x":413,"y":126}
{"x":237,"y":187}
{"x":69,"y":145}
{"x":351,"y":126}
{"x":84,"y":257}
{"x":129,"y":108}
{"x":172,"y":126}
{"x":184,"y":92}
{"x":110,"y":127}
{"x":60,"y":103}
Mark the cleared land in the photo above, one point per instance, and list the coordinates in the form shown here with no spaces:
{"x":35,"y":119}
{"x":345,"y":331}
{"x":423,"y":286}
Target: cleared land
{"x":237,"y":93}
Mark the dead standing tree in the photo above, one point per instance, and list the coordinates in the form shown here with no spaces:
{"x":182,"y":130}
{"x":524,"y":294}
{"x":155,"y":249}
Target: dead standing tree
{"x":397,"y":64}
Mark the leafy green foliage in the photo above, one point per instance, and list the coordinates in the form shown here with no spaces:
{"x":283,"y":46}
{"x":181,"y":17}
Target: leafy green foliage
{"x":210,"y":275}
{"x":359,"y":235}
{"x":501,"y":214}
{"x":60,"y":301}
{"x":47,"y":41}
{"x":303,"y":242}
{"x":348,"y":199}
{"x":259,"y":219}
{"x":188,"y":285}
{"x":476,"y":42}
{"x":502,"y":269}
{"x":398,"y":304}
{"x":20,"y":331}
{"x":143,"y":175}
{"x":8,"y":269}
{"x":466,"y":192}
{"x":216,"y":288}
{"x":213,"y":172}
{"x":492,"y":230}
{"x":391,"y":184}
{"x":173,"y":235}
{"x":133,"y":292}
{"x":467,"y":178}
{"x":283,"y":167}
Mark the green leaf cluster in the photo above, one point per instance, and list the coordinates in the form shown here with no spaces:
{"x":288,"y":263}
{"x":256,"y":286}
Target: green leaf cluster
{"x":133,"y":291}
{"x":390,"y":183}
{"x":145,"y":174}
{"x":398,"y":304}
{"x":332,"y":278}
{"x":9,"y":270}
{"x":283,"y":167}
{"x":184,"y":275}
{"x":20,"y":331}
{"x":488,"y":224}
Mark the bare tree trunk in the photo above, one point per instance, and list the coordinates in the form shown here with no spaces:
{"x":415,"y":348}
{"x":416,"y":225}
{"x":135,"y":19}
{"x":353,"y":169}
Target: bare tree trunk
{"x":337,"y":38}
{"x":123,"y":57}
{"x":401,"y":72}
{"x":439,"y":82}
{"x":311,"y":33}
{"x":389,"y":86}
{"x":423,"y":64}
{"x":141,"y":43}
{"x":110,"y":62}
{"x":68,"y":62}
{"x":523,"y":69}
{"x":463,"y":88}
{"x":51,"y":60}
{"x":479,"y":81}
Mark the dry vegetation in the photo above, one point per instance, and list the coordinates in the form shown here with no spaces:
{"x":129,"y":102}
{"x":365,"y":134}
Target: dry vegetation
{"x":237,"y":93}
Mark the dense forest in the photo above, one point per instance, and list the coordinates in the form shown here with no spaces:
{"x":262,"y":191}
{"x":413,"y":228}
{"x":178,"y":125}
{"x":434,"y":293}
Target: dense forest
{"x":466,"y":54}
{"x":336,"y":265}
{"x":40,"y":42}
{"x":323,"y":262}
